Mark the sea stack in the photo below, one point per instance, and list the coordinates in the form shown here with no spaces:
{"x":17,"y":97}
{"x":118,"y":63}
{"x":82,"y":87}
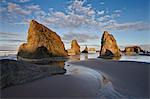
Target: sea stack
{"x":91,"y":50}
{"x":109,"y":47}
{"x":131,"y":50}
{"x":85,"y":50}
{"x":41,"y":43}
{"x":75,"y":48}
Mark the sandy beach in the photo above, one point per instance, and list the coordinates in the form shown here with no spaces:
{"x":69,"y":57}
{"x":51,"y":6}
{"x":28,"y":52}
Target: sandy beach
{"x":129,"y":78}
{"x":84,"y":79}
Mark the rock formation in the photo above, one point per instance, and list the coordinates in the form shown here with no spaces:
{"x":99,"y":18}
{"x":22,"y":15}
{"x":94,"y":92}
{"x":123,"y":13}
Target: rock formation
{"x":85,"y":50}
{"x":75,"y":48}
{"x":41,"y":43}
{"x":109,"y":46}
{"x":133,"y":50}
{"x":92,"y":50}
{"x":17,"y":72}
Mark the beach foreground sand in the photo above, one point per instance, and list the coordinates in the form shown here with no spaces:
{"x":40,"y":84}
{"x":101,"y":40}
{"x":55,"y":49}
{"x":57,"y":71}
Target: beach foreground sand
{"x":91,"y":79}
{"x":129,"y":78}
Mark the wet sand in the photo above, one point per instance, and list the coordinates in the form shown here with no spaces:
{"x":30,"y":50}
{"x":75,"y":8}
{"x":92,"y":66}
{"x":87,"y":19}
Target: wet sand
{"x":78,"y":82}
{"x":83,"y":80}
{"x":129,"y":78}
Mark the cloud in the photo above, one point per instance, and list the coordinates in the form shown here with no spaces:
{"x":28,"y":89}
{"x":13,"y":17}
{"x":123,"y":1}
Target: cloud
{"x":2,"y":10}
{"x":26,"y":10}
{"x":14,"y":13}
{"x":8,"y":48}
{"x":8,"y":35}
{"x":2,"y":1}
{"x":9,"y":41}
{"x":78,"y":14}
{"x":101,"y":12}
{"x":15,"y":8}
{"x":80,"y":37}
{"x":23,"y":1}
{"x":102,"y":3}
{"x":33,"y":7}
{"x":12,"y":40}
{"x":140,"y":26}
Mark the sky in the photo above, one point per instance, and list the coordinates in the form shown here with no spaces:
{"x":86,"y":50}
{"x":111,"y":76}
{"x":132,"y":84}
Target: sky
{"x":85,"y":20}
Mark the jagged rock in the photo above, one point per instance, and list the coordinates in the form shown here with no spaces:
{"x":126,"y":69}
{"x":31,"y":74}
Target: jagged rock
{"x":109,"y":46}
{"x":41,"y":43}
{"x":85,"y":50}
{"x":133,"y":50}
{"x":75,"y":48}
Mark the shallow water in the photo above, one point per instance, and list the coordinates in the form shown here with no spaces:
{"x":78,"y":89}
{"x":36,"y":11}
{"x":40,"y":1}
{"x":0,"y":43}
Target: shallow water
{"x":78,"y":81}
{"x":106,"y":90}
{"x":138,"y":58}
{"x":82,"y":56}
{"x":86,"y":74}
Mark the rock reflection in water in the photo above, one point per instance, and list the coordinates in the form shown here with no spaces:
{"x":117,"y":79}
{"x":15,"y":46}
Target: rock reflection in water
{"x":52,"y":67}
{"x":79,"y":57}
{"x":50,"y":63}
{"x":110,"y":58}
{"x":18,"y":72}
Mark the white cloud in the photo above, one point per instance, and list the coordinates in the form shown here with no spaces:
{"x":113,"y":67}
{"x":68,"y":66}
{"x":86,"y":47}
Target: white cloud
{"x":104,"y":18}
{"x":102,"y":3}
{"x":80,"y":37}
{"x":15,"y":8}
{"x":77,"y":7}
{"x":78,"y":14}
{"x":33,"y":7}
{"x":129,"y":26}
{"x":2,"y":10}
{"x":101,"y":12}
{"x":23,"y":1}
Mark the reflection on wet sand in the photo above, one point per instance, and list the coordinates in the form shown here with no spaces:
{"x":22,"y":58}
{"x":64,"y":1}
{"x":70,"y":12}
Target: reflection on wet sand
{"x":52,"y":63}
{"x":84,"y":56}
{"x":111,"y":58}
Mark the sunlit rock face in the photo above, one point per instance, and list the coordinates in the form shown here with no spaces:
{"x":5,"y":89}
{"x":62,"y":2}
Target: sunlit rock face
{"x":75,"y":48}
{"x":41,"y":43}
{"x":91,"y":50}
{"x":133,"y":50}
{"x":109,"y":47}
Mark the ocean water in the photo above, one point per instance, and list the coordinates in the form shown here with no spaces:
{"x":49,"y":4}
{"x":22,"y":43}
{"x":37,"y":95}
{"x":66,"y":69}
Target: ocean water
{"x":82,"y":56}
{"x":138,"y":58}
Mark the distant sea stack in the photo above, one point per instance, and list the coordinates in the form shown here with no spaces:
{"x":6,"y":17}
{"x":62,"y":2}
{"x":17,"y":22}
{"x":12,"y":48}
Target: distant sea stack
{"x":41,"y":43}
{"x":75,"y":48}
{"x":109,"y":47}
{"x":85,"y":50}
{"x":91,"y":50}
{"x":131,"y":50}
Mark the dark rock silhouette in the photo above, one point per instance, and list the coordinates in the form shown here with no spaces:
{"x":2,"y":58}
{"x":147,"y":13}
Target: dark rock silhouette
{"x":85,"y":50}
